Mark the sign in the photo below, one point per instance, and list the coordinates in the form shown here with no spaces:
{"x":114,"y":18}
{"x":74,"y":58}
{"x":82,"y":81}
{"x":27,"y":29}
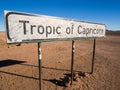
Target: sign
{"x":23,"y":27}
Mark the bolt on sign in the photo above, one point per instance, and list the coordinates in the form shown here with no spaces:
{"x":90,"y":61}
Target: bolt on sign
{"x":24,"y":28}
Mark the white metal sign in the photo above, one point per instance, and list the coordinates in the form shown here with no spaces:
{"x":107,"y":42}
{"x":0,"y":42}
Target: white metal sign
{"x":22,"y":27}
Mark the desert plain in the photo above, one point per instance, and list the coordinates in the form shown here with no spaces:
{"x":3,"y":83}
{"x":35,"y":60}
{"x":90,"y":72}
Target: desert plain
{"x":19,"y":65}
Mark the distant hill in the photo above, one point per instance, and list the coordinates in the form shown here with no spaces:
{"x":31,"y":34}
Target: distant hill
{"x":115,"y":33}
{"x":2,"y":31}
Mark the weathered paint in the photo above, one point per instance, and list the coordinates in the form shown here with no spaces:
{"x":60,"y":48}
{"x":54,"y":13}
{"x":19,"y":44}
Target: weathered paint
{"x":22,"y":27}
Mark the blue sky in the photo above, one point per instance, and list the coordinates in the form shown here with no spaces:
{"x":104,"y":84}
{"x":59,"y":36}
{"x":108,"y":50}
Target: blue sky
{"x":98,"y":11}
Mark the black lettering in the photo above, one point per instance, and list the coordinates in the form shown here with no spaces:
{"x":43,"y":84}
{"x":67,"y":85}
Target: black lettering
{"x":68,"y":30}
{"x":90,"y":30}
{"x":24,"y":25}
{"x":94,"y":31}
{"x":58,"y":32}
{"x":97,"y":31}
{"x":84,"y":31}
{"x":72,"y":28}
{"x":79,"y":28}
{"x":40,"y":29}
{"x":101,"y":31}
{"x":48,"y":30}
{"x":54,"y":30}
{"x":32,"y":28}
{"x":87,"y":31}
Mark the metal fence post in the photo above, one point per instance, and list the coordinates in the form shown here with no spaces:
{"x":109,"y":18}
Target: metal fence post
{"x":40,"y":65}
{"x":93,"y":55}
{"x":72,"y":60}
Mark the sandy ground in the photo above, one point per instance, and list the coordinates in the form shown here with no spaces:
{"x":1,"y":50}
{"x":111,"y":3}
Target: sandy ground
{"x":19,"y":65}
